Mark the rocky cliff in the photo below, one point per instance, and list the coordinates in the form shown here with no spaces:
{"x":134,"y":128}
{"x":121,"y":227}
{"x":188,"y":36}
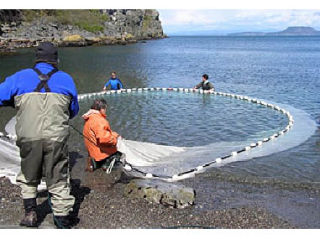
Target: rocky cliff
{"x":26,"y":28}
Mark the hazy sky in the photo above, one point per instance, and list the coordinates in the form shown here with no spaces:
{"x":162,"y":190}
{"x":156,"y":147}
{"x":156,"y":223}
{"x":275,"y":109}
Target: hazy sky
{"x":225,"y":21}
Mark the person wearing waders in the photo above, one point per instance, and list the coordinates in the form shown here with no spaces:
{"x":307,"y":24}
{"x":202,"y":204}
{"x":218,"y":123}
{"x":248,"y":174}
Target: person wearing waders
{"x":205,"y":84}
{"x":45,"y":99}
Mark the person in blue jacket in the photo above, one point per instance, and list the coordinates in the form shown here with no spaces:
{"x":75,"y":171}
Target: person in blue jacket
{"x":45,"y":99}
{"x":114,"y":82}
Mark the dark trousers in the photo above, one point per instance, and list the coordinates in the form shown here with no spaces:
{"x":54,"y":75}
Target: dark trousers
{"x":49,"y":160}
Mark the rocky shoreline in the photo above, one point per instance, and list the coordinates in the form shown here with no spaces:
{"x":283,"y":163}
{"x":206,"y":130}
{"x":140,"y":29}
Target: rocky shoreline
{"x":77,"y":28}
{"x":221,"y":200}
{"x":11,"y":45}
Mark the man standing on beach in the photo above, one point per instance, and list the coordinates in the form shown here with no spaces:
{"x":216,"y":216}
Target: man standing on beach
{"x":45,"y":99}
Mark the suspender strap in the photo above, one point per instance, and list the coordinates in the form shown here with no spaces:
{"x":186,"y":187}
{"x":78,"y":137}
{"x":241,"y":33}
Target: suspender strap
{"x":44,"y":79}
{"x":206,"y":86}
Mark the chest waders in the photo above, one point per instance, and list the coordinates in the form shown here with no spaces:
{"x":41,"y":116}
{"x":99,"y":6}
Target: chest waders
{"x":206,"y":86}
{"x":44,"y":78}
{"x":46,"y":158}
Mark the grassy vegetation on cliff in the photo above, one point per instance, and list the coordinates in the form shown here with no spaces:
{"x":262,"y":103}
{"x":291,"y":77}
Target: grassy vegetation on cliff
{"x":89,"y":20}
{"x":146,"y":22}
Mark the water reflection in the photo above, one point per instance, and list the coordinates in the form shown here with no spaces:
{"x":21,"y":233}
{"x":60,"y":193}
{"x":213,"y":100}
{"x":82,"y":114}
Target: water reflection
{"x":186,"y":119}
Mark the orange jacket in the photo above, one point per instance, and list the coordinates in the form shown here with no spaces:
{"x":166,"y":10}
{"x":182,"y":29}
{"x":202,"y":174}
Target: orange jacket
{"x":103,"y":141}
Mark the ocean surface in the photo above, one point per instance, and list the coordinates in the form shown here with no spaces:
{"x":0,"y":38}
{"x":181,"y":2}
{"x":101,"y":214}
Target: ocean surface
{"x":284,"y":70}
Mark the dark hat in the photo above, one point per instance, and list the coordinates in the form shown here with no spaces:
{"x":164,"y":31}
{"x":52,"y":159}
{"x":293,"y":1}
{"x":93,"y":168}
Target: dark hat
{"x":47,"y":52}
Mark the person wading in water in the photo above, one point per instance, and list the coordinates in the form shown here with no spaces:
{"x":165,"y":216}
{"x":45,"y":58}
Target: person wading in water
{"x":114,"y":82}
{"x":205,"y":84}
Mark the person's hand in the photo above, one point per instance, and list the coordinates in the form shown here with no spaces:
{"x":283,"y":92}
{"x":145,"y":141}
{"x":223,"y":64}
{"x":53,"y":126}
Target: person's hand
{"x":104,"y":89}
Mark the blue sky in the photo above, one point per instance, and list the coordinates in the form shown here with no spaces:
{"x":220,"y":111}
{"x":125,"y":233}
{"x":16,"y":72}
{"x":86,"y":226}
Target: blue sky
{"x":215,"y":21}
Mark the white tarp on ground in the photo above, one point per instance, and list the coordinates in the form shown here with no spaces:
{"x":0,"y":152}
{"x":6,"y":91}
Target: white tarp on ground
{"x":147,"y":154}
{"x":9,"y":154}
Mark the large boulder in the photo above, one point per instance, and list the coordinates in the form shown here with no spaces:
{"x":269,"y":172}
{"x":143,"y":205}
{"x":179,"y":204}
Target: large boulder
{"x":73,"y":40}
{"x":167,"y":194}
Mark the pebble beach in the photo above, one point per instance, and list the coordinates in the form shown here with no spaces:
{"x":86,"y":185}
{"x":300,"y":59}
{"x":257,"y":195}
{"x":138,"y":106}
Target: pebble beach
{"x":100,"y":203}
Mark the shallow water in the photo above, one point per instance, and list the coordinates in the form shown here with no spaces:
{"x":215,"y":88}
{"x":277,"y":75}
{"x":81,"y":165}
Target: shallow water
{"x":280,"y":69}
{"x":186,"y":119}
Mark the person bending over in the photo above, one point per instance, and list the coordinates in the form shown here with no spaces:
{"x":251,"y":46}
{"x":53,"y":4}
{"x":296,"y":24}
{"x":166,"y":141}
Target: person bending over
{"x":99,"y":139}
{"x":114,"y":82}
{"x":205,"y":84}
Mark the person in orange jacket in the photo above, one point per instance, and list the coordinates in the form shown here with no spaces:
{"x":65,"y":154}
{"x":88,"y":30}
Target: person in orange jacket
{"x":99,"y":139}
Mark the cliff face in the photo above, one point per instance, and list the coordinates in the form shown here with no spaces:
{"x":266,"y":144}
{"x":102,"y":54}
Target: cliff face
{"x":25,"y":28}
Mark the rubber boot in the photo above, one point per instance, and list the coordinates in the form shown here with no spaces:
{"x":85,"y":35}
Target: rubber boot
{"x":116,"y":156}
{"x":30,"y":218}
{"x":106,"y":164}
{"x":91,"y":164}
{"x":119,"y":159}
{"x":62,"y":222}
{"x":122,"y":159}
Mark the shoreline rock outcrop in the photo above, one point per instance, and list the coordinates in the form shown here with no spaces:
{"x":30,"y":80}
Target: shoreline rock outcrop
{"x":26,"y":28}
{"x":167,"y":194}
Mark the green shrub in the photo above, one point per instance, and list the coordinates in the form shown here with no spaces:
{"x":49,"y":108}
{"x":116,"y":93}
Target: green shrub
{"x":89,"y":20}
{"x":30,"y":15}
{"x":146,"y":22}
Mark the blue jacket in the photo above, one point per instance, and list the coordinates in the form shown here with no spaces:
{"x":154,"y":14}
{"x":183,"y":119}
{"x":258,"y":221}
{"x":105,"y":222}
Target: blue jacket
{"x":26,"y":81}
{"x":115,"y":84}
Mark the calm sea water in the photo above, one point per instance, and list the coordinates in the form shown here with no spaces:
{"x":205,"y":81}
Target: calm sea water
{"x":281,"y":69}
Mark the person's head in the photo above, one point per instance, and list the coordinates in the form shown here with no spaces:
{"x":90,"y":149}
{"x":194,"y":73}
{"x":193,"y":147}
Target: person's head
{"x":100,"y":104}
{"x":113,"y":74}
{"x":47,"y":52}
{"x":205,"y":77}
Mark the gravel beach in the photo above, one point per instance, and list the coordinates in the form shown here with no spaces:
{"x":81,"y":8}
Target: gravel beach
{"x":100,"y":204}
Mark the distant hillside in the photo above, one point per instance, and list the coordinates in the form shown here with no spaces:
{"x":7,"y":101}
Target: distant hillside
{"x":290,"y":31}
{"x":296,"y":31}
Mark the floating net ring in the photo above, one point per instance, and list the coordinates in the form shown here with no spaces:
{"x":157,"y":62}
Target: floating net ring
{"x":189,"y":173}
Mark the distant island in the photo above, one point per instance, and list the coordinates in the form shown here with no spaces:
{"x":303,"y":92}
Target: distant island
{"x":290,"y":31}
